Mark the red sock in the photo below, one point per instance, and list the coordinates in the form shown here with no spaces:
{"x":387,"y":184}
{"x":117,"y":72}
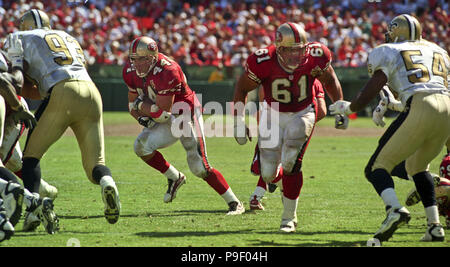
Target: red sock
{"x":158,"y":162}
{"x":261,"y":183}
{"x":19,"y":173}
{"x":279,"y":176}
{"x":292,"y":185}
{"x":216,"y":180}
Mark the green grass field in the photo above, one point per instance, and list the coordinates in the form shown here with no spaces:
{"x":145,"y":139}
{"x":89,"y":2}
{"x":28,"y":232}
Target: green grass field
{"x":338,"y":207}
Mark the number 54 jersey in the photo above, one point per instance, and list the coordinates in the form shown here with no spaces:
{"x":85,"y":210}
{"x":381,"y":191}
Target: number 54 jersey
{"x":52,"y":56}
{"x":411,"y":67}
{"x":293,"y":91}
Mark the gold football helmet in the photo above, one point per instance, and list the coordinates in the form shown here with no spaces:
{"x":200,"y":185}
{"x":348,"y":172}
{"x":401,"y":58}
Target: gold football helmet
{"x":403,"y":28}
{"x":143,"y":55}
{"x":34,"y":19}
{"x":291,"y":46}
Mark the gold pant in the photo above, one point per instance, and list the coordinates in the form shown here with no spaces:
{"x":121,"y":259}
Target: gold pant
{"x":417,"y":136}
{"x":75,"y":104}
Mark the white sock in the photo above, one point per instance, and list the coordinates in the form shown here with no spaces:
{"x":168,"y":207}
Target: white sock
{"x":172,"y":173}
{"x":229,"y":196}
{"x":107,"y":180}
{"x":432,"y":214}
{"x":390,"y":198}
{"x":259,"y":191}
{"x":290,"y":209}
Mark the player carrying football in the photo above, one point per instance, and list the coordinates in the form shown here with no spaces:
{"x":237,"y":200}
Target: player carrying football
{"x":157,"y":90}
{"x":286,"y":71}
{"x":417,"y":70}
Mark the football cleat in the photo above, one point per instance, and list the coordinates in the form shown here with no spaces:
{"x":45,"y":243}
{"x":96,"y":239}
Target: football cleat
{"x":395,"y":218}
{"x":173,"y":188}
{"x":47,"y":190}
{"x":434,"y":233}
{"x":255,"y":203}
{"x":288,"y":226}
{"x":110,"y":196}
{"x":6,"y":228}
{"x":12,"y":201}
{"x":235,"y":208}
{"x":41,"y":210}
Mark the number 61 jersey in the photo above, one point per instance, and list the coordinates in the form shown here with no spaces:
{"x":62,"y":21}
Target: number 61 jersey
{"x":52,"y":56}
{"x":293,"y":91}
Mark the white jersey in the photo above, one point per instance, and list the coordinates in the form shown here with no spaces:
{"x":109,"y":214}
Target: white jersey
{"x":52,"y":56}
{"x":3,"y":64}
{"x":412,"y":67}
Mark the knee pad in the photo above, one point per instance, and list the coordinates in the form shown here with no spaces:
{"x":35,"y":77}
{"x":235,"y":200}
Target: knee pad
{"x":141,"y":148}
{"x":196,"y":164}
{"x":99,"y":171}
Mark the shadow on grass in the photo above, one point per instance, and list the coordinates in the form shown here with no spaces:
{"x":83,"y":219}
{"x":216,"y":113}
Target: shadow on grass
{"x":191,"y":233}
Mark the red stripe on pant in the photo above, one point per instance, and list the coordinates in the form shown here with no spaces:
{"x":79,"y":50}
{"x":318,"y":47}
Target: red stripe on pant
{"x":200,"y":141}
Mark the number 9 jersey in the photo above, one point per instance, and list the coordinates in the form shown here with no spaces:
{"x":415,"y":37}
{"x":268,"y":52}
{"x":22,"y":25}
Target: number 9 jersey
{"x":293,"y":91}
{"x":52,"y":56}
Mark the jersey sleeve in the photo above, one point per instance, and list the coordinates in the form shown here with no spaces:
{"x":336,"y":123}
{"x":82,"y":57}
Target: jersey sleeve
{"x":169,"y":82}
{"x":258,"y":64}
{"x":319,"y":58}
{"x":379,"y":59}
{"x":318,"y":89}
{"x":128,"y":78}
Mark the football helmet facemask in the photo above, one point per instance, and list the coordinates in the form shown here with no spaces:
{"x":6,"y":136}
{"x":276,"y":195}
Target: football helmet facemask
{"x":34,"y":19}
{"x":291,"y":45}
{"x":143,"y":55}
{"x":403,"y":28}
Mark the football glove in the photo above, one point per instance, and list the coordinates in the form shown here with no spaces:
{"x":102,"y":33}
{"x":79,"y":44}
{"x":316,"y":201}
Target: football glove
{"x":137,"y":103}
{"x":15,"y":51}
{"x":340,"y":107}
{"x":146,"y":121}
{"x":378,"y":114}
{"x":241,"y":130}
{"x":392,"y":103}
{"x":25,"y":116}
{"x":340,"y":121}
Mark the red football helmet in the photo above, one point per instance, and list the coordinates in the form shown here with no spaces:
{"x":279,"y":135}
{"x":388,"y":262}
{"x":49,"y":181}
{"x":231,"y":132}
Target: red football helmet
{"x":143,"y":55}
{"x":291,"y":45}
{"x":444,"y":169}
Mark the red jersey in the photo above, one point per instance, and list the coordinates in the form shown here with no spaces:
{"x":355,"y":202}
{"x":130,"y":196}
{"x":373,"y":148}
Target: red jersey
{"x":165,"y":78}
{"x":293,"y":91}
{"x":444,"y":168}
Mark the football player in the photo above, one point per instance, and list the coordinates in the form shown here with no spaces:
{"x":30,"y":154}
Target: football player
{"x":158,"y":96}
{"x":287,"y":71}
{"x":417,"y":71}
{"x":261,"y":187}
{"x":55,"y":62}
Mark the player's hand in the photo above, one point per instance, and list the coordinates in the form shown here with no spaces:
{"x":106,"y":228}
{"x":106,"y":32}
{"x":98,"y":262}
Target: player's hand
{"x":241,"y":131}
{"x":146,"y":121}
{"x":15,"y":51}
{"x":378,"y":114}
{"x":25,"y":116}
{"x":137,"y":103}
{"x":392,"y":103}
{"x":340,"y":107}
{"x":340,"y":121}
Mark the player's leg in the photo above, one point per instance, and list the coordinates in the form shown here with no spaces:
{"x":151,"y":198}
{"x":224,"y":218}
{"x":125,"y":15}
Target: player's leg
{"x":146,"y":147}
{"x":87,"y":125}
{"x":297,"y":133}
{"x":417,"y":165}
{"x":195,"y":147}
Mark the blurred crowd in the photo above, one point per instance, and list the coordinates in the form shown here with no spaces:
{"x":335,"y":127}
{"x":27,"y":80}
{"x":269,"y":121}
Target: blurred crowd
{"x":224,"y":33}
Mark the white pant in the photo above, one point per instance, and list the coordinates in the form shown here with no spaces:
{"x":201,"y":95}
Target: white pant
{"x":283,"y":137}
{"x":162,"y":135}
